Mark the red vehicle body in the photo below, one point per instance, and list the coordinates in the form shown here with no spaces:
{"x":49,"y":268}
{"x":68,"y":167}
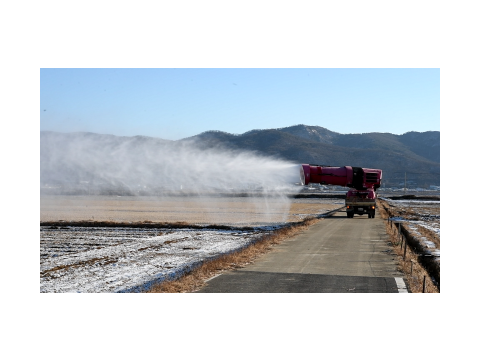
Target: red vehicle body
{"x":363,"y":182}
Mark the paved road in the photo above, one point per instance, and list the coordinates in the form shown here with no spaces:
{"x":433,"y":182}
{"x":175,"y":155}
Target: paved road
{"x":335,"y":255}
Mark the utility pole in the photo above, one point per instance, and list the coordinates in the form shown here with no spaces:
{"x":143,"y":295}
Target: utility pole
{"x":405,"y":188}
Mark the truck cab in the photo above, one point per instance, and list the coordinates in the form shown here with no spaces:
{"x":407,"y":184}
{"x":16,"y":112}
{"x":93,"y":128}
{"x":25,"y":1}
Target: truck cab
{"x":360,"y":202}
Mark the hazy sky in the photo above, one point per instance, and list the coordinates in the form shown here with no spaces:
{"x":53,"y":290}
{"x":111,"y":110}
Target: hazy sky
{"x":178,"y":103}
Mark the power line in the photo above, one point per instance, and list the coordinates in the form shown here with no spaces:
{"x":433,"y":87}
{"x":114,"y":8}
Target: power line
{"x":413,"y":173}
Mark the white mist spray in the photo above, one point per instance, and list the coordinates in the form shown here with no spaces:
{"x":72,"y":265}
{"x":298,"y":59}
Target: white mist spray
{"x":140,"y":165}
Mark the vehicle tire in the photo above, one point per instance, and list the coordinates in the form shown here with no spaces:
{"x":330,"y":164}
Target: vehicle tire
{"x":373,"y":215}
{"x":369,"y":215}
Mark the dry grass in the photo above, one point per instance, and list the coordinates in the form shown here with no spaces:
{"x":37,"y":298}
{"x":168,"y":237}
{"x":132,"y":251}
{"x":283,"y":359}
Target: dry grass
{"x":194,"y":280}
{"x":410,"y":266}
{"x":141,"y":224}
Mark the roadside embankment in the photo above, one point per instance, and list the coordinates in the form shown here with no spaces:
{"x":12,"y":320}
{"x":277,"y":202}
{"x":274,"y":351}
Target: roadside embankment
{"x":419,"y":263}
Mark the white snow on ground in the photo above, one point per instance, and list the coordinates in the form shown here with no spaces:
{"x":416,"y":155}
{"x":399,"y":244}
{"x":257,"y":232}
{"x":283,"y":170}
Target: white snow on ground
{"x":123,"y":259}
{"x":426,"y":214}
{"x":432,"y":226}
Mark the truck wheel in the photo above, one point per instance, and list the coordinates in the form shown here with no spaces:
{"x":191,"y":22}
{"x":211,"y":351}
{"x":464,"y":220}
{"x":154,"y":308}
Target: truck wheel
{"x":369,"y":215}
{"x":373,"y":215}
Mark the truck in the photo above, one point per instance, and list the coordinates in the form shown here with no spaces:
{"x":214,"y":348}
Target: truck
{"x":363,"y":183}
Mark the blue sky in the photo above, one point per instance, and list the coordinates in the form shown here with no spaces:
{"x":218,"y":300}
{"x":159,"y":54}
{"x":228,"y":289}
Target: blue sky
{"x":178,"y":103}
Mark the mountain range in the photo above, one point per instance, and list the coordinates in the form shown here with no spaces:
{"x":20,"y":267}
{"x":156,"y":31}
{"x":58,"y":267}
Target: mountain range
{"x":413,"y":155}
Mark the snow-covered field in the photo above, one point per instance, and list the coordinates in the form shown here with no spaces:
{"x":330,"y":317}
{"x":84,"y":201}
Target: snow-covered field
{"x":422,"y":219}
{"x":107,"y":259}
{"x":76,"y":259}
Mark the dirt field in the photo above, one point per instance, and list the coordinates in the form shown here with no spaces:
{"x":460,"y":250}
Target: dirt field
{"x":229,"y":211}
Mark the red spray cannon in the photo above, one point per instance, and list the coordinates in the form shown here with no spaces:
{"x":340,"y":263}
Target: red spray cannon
{"x":361,"y":198}
{"x":354,"y":177}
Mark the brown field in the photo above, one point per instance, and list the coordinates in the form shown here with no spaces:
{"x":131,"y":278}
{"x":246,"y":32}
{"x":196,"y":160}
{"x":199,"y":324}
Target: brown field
{"x":205,"y":210}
